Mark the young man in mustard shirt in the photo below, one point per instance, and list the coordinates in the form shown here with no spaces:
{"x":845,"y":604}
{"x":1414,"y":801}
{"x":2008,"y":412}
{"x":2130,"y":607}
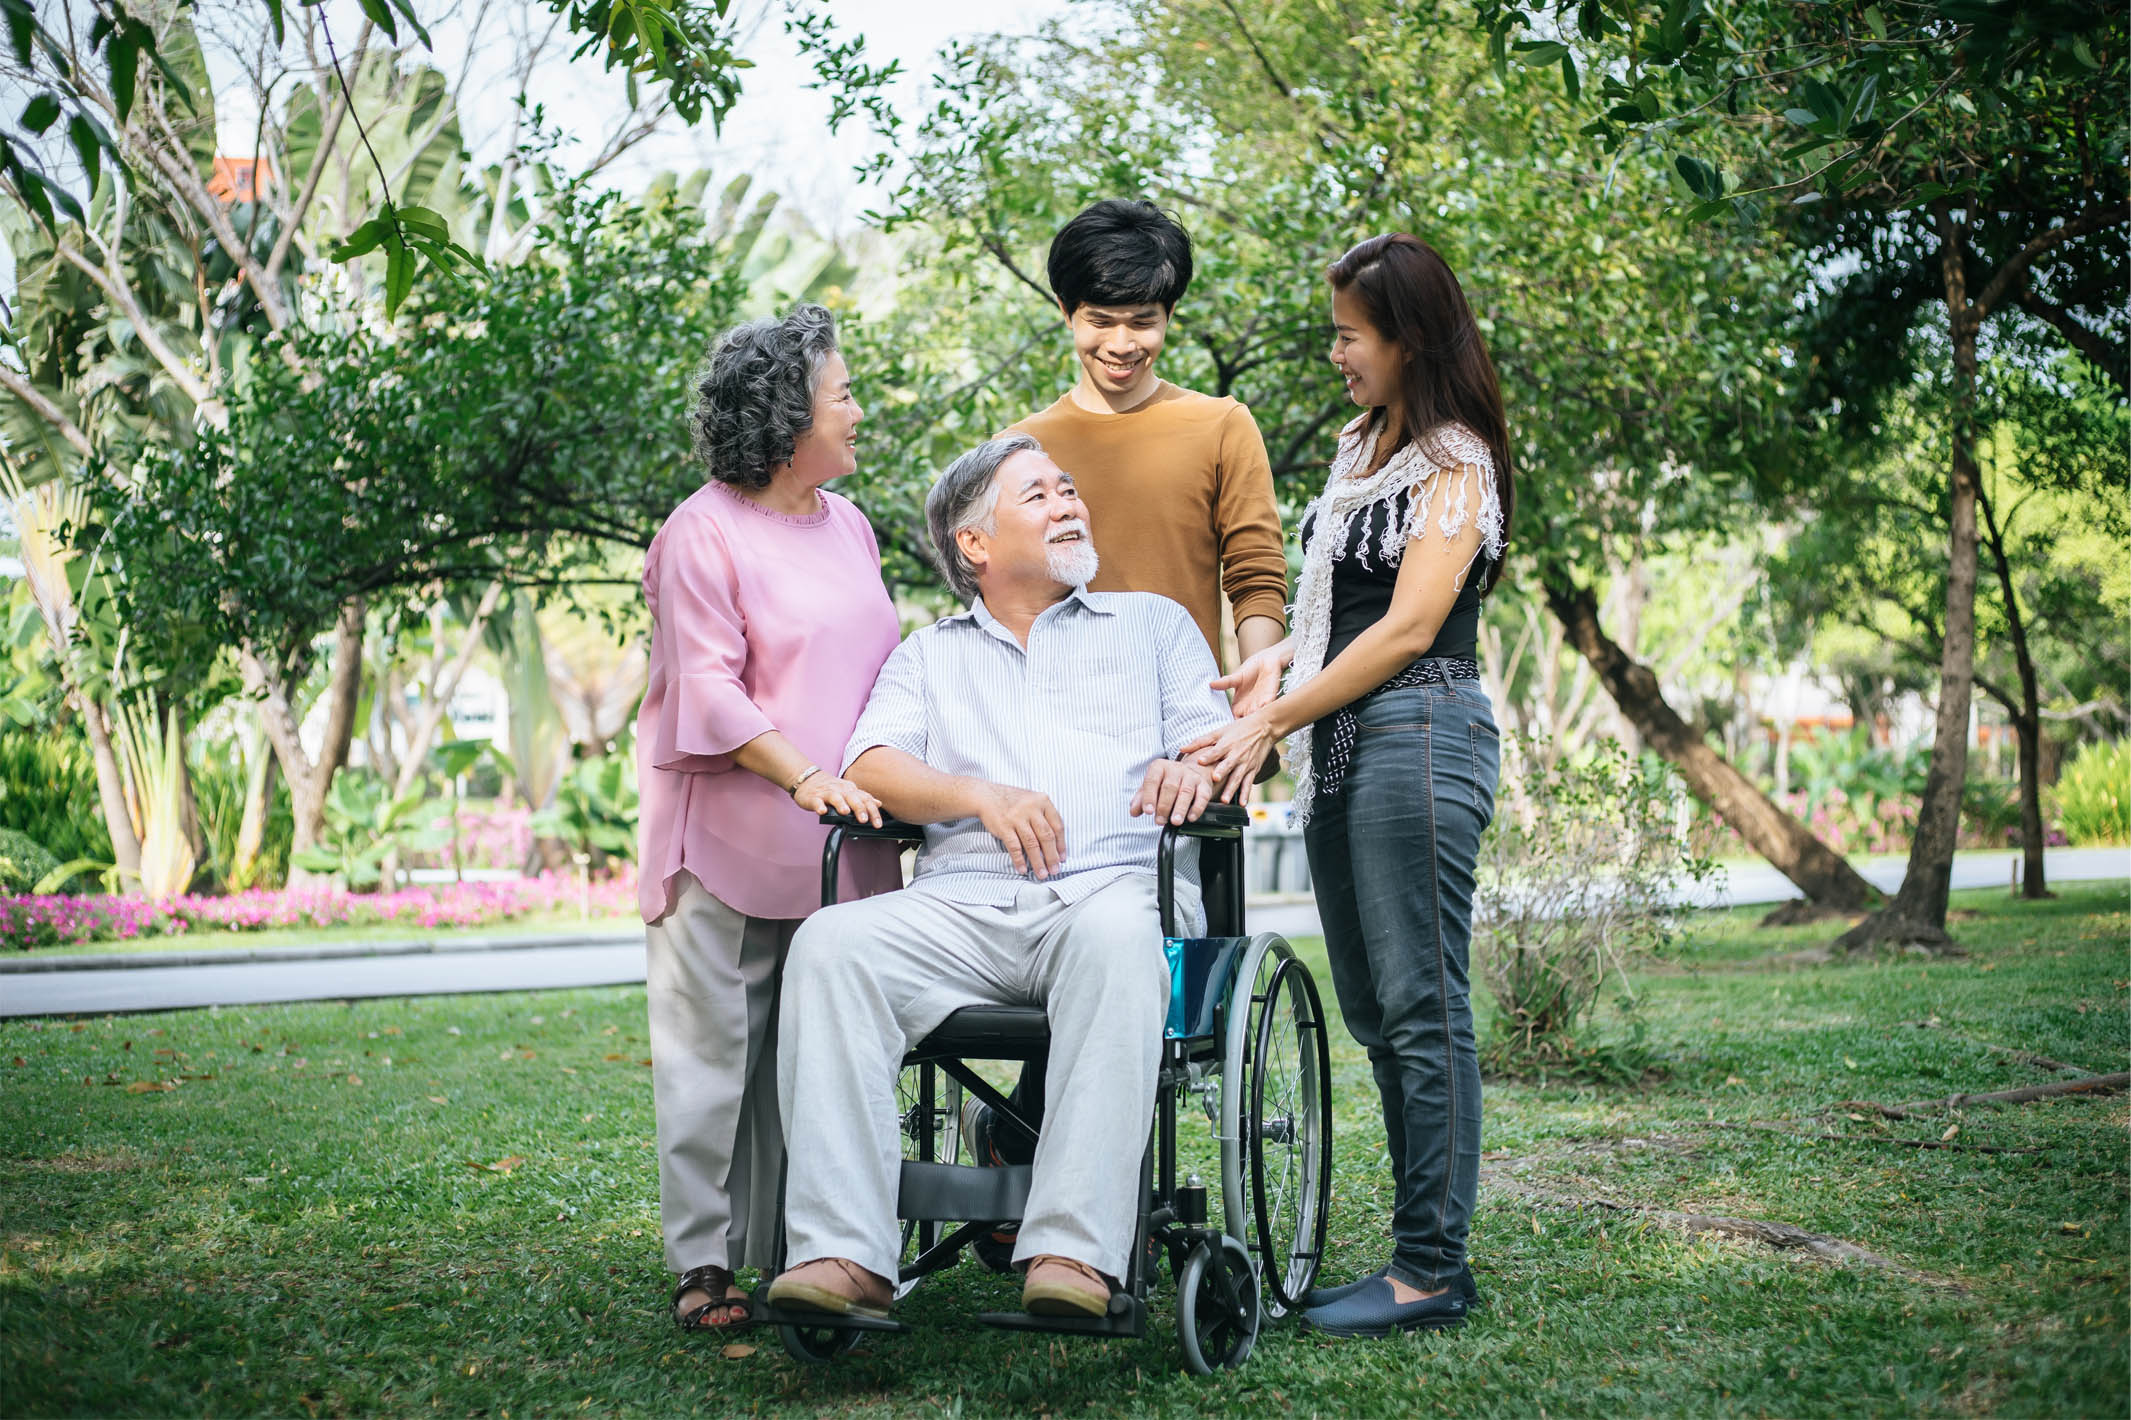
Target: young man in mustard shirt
{"x":1178,"y":487}
{"x":1177,"y":484}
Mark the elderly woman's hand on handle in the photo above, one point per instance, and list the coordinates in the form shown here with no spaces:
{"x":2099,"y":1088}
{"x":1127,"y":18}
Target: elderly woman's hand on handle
{"x":825,"y":793}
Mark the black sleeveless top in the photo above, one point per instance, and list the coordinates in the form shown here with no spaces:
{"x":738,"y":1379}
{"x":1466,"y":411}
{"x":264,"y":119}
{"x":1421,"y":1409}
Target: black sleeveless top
{"x":1362,"y":580}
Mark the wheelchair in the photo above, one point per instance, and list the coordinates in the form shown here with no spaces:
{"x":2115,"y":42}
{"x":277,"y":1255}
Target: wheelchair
{"x":1245,"y":1036}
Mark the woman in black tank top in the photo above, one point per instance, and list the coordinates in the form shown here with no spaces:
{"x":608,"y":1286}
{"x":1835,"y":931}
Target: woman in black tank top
{"x":1393,"y":744}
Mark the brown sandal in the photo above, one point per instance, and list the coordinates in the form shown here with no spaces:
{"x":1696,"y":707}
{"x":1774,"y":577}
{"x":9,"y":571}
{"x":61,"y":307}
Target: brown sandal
{"x":717,"y":1281}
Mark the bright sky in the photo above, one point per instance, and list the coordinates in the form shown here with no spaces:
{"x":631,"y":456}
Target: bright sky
{"x":778,"y":131}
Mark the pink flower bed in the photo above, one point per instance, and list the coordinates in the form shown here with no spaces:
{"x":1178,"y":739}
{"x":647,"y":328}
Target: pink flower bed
{"x":30,"y":922}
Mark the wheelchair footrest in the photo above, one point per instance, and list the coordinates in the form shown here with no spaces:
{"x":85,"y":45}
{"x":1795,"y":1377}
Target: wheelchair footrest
{"x":767,"y":1315}
{"x":1128,"y":1317}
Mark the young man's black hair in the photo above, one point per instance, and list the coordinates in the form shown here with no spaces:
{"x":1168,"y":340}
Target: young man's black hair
{"x":1120,"y":252}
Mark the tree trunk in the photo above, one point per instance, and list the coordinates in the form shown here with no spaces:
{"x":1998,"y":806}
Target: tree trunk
{"x":1829,"y":883}
{"x":110,"y":788}
{"x":1917,"y":915}
{"x":2026,"y":716}
{"x":310,"y":779}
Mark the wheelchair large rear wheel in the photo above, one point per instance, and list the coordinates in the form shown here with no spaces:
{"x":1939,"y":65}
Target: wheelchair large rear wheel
{"x":1275,"y":1136}
{"x":1217,"y":1307}
{"x":1290,"y":1134}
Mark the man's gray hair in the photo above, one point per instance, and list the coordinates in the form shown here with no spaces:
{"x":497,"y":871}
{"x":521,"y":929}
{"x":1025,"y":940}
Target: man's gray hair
{"x":755,"y":399}
{"x":966,"y":496}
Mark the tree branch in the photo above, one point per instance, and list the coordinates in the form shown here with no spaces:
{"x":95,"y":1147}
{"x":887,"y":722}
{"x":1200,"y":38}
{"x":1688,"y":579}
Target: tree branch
{"x":2093,"y":220}
{"x":18,"y":385}
{"x":2087,"y":342}
{"x":330,"y":131}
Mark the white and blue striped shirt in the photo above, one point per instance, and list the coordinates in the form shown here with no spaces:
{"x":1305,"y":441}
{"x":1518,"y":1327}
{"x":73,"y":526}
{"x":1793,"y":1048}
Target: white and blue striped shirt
{"x":1109,"y":683}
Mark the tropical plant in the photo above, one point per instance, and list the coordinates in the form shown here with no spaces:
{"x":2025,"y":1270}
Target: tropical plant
{"x":1580,"y":879}
{"x":365,"y":823}
{"x":2094,"y":794}
{"x":594,"y":813}
{"x":24,"y":862}
{"x":46,"y":785}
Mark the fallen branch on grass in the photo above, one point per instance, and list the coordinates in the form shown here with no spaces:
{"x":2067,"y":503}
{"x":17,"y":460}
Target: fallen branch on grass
{"x":1781,"y":1236}
{"x":1761,"y":1128}
{"x":2091,"y":1085}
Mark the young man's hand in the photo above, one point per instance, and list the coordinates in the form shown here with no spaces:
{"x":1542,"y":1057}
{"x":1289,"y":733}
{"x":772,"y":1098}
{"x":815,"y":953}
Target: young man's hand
{"x":1027,"y":826}
{"x":1256,"y":682}
{"x":1174,"y":789}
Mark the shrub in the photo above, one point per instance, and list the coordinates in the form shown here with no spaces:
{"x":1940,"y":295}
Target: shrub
{"x":1578,"y":880}
{"x":48,"y":791}
{"x":23,"y":862}
{"x":2094,"y":794}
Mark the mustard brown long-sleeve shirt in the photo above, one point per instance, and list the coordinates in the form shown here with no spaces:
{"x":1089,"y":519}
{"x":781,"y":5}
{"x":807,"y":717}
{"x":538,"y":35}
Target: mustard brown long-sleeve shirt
{"x":1180,"y":501}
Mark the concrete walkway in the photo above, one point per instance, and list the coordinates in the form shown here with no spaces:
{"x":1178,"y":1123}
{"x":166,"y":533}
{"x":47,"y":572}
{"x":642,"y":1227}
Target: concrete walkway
{"x":158,"y":981}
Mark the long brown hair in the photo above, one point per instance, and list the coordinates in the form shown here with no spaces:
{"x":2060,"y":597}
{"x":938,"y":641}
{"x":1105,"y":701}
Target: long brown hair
{"x":1410,"y":295}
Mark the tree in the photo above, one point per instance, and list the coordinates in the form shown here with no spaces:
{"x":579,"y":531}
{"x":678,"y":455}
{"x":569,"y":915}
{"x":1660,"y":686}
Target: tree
{"x":1650,"y":391}
{"x":1964,"y":153}
{"x":507,"y":439}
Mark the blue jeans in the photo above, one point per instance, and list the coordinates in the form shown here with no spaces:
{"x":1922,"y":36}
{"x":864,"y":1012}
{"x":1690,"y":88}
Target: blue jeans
{"x":1392,"y":859}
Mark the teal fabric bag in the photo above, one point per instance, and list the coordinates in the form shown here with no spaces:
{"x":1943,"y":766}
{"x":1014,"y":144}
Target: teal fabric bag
{"x":1200,"y":969}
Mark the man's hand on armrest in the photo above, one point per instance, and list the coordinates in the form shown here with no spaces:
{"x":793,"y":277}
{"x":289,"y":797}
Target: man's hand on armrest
{"x":1025,"y":823}
{"x":1174,"y":791}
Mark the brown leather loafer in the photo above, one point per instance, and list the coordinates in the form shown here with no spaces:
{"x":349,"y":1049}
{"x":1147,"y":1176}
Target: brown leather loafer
{"x":1060,"y":1286}
{"x":834,"y":1285}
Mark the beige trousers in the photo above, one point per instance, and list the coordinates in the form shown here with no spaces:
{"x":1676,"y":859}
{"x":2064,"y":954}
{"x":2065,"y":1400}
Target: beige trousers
{"x":867,"y":978}
{"x":711,"y":977}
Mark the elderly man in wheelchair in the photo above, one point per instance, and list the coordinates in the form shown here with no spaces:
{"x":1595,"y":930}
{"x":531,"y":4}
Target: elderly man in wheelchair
{"x":1032,"y":738}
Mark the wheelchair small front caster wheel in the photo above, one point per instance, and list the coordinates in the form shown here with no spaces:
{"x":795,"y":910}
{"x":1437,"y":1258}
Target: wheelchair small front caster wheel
{"x":1217,"y":1309}
{"x":817,"y":1345}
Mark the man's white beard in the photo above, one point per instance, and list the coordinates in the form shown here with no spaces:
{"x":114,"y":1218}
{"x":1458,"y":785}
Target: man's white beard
{"x":1073,"y":563}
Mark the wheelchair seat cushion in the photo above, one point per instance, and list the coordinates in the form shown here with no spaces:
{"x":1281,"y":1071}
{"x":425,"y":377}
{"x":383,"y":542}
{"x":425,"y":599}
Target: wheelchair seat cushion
{"x":991,"y":1033}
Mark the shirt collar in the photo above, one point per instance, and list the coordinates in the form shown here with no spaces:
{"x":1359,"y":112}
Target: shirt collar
{"x":978,"y":614}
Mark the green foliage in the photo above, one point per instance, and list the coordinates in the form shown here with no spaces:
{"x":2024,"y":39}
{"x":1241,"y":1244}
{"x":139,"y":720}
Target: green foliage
{"x":1577,"y":885}
{"x":1867,"y":775}
{"x":218,"y":785}
{"x":2094,"y":794}
{"x":24,"y":862}
{"x":1625,"y":342}
{"x":365,"y":824}
{"x":48,"y":791}
{"x":530,"y":427}
{"x":594,"y":808}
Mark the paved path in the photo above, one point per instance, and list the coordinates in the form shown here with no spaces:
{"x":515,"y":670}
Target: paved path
{"x":151,"y":981}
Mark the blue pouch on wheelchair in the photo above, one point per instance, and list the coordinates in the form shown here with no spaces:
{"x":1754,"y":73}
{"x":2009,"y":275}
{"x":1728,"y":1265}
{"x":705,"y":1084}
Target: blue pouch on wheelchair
{"x":1200,"y":969}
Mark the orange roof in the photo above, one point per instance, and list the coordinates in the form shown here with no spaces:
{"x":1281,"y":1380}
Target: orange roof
{"x":236,"y":179}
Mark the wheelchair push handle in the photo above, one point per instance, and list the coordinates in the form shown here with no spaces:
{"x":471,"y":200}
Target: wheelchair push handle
{"x":893,"y":829}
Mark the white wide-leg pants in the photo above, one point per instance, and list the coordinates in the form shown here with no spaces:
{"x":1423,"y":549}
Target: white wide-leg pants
{"x":867,"y":979}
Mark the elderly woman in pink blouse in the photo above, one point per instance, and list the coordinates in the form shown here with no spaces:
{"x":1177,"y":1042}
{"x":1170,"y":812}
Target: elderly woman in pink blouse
{"x":770,"y":621}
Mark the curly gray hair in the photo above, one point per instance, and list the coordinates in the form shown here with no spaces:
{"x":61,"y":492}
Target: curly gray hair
{"x":756,"y":397}
{"x":967,"y":496}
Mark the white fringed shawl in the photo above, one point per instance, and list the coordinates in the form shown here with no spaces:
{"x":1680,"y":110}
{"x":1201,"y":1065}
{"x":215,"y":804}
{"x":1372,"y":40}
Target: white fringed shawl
{"x":1440,"y":474}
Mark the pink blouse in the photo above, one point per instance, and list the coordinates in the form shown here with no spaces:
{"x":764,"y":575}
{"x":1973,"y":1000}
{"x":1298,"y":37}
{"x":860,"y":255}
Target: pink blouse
{"x":760,"y":621}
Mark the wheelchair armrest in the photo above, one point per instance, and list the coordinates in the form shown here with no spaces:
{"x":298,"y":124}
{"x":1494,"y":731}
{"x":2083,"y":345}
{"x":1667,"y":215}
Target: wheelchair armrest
{"x":1216,"y":821}
{"x":893,"y":829}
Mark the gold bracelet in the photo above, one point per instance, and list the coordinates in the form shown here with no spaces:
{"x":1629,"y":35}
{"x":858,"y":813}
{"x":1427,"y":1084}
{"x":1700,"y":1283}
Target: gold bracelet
{"x":805,"y":774}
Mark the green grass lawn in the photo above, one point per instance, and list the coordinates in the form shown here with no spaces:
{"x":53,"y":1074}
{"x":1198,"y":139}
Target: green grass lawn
{"x":448,"y":1206}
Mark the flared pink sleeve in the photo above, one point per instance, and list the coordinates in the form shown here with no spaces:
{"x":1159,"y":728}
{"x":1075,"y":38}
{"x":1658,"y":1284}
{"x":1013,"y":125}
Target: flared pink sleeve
{"x":706,"y":713}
